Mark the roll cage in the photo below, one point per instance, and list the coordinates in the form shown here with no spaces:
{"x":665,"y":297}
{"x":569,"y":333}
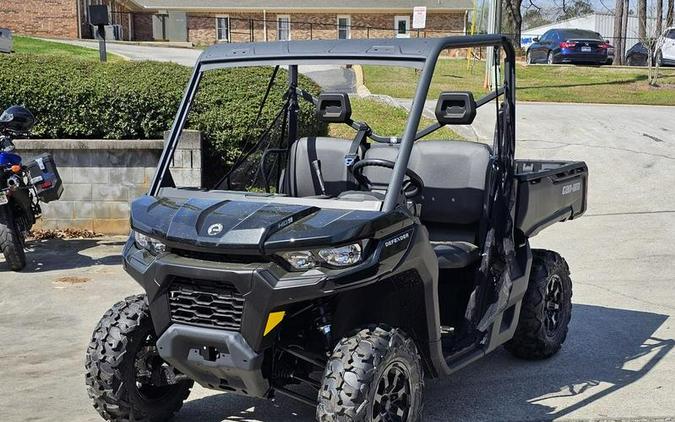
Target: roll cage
{"x":421,"y":54}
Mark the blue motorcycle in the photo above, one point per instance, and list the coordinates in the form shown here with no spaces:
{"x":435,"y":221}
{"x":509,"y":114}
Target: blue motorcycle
{"x":22,"y":186}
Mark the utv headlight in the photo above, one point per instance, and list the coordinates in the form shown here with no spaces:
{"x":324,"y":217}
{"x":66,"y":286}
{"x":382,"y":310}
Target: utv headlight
{"x":300,"y":260}
{"x":149,"y":244}
{"x":342,"y":256}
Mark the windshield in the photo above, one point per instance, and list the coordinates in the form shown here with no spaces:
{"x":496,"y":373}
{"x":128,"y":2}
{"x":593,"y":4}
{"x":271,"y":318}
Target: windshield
{"x":580,"y":34}
{"x":299,"y":130}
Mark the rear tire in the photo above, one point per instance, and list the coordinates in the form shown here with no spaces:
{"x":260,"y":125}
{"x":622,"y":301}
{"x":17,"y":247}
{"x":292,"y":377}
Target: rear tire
{"x":11,"y":241}
{"x":529,"y":57}
{"x":374,"y":374}
{"x":546,"y":309}
{"x":120,"y":349}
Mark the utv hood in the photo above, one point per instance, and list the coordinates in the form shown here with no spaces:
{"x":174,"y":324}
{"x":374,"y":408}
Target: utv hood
{"x":248,"y":226}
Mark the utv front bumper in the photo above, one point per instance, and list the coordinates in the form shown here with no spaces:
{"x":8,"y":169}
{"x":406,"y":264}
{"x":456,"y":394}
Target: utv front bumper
{"x":215,"y":358}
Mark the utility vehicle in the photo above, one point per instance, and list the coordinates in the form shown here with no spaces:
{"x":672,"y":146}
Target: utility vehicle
{"x":361,"y":267}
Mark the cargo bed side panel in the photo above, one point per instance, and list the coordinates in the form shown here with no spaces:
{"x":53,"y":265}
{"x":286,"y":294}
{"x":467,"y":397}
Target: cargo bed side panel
{"x":549,"y":192}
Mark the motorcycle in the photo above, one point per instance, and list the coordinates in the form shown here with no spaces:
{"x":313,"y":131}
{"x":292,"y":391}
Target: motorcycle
{"x":22,"y":186}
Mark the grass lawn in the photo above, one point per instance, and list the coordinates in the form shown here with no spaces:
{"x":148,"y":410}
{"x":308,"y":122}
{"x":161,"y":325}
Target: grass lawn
{"x":385,"y":120}
{"x":36,"y":46}
{"x":577,"y":84}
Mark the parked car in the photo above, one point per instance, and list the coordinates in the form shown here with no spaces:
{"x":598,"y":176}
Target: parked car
{"x":570,"y":46}
{"x":637,"y":55}
{"x":665,"y":48}
{"x":5,"y":40}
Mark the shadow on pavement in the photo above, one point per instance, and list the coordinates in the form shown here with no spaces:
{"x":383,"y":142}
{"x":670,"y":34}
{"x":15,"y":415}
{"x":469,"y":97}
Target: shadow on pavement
{"x":606,"y":350}
{"x":59,"y":254}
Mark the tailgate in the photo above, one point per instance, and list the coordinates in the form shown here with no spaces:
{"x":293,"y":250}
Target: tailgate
{"x":549,"y":192}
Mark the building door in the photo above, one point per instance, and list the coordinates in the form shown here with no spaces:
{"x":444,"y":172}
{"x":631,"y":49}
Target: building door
{"x":402,"y":26}
{"x":344,"y":27}
{"x":159,"y":26}
{"x":283,"y":27}
{"x":176,"y":27}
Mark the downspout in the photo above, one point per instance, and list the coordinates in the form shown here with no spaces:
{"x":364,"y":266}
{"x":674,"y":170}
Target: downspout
{"x":466,"y":19}
{"x":265,"y":24}
{"x":79,"y":19}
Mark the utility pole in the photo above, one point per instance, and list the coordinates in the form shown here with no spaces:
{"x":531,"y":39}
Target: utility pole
{"x":494,"y":26}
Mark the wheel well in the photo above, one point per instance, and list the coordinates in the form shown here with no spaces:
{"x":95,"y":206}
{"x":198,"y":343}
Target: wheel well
{"x":397,"y":301}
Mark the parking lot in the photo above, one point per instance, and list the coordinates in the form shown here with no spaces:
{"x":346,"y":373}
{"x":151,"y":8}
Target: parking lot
{"x":617,"y":363}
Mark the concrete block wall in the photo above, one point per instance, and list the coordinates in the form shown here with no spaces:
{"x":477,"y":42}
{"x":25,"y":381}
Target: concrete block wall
{"x":102,"y":177}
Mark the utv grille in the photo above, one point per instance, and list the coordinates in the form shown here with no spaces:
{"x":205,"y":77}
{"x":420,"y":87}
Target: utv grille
{"x":206,"y":303}
{"x":216,"y":257}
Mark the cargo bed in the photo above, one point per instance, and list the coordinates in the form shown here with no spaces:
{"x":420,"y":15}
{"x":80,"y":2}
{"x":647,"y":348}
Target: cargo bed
{"x":549,"y":192}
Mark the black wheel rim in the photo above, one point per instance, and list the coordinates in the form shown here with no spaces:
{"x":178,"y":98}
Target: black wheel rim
{"x":393,"y":395}
{"x":154,"y":377}
{"x":553,"y":304}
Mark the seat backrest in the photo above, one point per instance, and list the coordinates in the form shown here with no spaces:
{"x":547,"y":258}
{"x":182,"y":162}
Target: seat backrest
{"x":330,"y":153}
{"x":454,"y":175}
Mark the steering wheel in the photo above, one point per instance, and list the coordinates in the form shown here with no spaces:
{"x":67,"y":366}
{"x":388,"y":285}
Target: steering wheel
{"x":412,"y":187}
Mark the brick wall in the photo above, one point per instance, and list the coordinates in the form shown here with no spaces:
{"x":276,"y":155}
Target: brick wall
{"x":47,"y":18}
{"x":102,"y":177}
{"x":202,"y":27}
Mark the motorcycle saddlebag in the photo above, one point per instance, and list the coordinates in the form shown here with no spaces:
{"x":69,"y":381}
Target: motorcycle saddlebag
{"x":45,"y":177}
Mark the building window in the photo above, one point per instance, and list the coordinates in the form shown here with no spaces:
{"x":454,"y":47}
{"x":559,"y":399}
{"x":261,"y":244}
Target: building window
{"x":223,"y":28}
{"x":344,"y":24}
{"x":283,"y":27}
{"x":402,"y":26}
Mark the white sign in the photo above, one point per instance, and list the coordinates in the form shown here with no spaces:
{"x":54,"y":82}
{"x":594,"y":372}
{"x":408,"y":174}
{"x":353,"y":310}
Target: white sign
{"x":419,"y":17}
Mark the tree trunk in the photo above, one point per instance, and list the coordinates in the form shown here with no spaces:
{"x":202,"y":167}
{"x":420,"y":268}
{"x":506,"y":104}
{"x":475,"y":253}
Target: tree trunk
{"x":642,"y":19}
{"x":618,"y":39}
{"x":669,"y":13}
{"x":624,"y":28}
{"x":659,"y":17}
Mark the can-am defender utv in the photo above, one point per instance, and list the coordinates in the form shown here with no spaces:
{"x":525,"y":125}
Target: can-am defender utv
{"x":361,"y":267}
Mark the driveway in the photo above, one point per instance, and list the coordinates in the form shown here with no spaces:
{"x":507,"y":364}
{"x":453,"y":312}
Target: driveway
{"x":328,"y":77}
{"x":617,"y":362}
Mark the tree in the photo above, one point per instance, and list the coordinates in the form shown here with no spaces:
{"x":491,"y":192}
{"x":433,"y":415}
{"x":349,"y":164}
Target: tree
{"x":513,"y":18}
{"x":642,"y":19}
{"x":576,"y":9}
{"x":659,"y":16}
{"x":533,"y":18}
{"x":670,"y":12}
{"x":618,"y":35}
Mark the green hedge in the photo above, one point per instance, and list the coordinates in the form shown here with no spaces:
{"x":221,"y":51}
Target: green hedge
{"x":74,"y":98}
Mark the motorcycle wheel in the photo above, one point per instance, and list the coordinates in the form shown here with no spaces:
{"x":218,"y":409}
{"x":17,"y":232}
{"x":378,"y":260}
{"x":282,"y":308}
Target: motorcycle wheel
{"x":11,"y":241}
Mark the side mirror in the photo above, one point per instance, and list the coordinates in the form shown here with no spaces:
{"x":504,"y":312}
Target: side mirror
{"x":334,"y":108}
{"x":455,"y":108}
{"x":17,"y":119}
{"x":535,"y":39}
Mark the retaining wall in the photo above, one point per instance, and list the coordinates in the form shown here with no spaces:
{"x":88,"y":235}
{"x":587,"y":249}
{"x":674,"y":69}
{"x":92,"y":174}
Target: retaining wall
{"x":102,"y":177}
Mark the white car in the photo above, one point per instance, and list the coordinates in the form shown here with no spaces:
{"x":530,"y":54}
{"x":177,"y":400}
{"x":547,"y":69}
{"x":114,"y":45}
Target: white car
{"x":665,"y":48}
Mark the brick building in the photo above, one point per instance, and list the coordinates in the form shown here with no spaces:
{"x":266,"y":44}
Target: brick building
{"x":204,"y":22}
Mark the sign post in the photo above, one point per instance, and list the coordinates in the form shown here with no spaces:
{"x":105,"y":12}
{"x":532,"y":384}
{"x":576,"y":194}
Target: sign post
{"x":98,"y":17}
{"x":419,"y":18}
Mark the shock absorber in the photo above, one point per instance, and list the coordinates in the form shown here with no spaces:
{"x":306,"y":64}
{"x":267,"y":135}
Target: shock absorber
{"x":323,"y":323}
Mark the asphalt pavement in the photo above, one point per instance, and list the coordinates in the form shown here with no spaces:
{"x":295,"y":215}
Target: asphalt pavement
{"x":329,"y":77}
{"x":617,"y":363}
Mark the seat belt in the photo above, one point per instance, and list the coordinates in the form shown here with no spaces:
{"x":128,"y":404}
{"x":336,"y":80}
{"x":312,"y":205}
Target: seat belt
{"x":353,"y":155}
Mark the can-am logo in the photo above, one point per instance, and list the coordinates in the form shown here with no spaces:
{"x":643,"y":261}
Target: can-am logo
{"x":214,"y":229}
{"x":574,"y":187}
{"x":396,"y":240}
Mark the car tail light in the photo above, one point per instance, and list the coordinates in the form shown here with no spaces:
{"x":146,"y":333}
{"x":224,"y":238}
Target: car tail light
{"x":567,"y":44}
{"x":604,"y":45}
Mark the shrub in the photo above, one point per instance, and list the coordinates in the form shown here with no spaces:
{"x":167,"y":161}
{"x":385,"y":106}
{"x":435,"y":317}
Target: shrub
{"x":74,"y":98}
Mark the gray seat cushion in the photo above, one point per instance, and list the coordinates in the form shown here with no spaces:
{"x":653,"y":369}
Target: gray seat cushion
{"x":330,"y":153}
{"x":455,"y":254}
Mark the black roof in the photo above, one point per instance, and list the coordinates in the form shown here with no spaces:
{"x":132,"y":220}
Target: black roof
{"x":403,"y":51}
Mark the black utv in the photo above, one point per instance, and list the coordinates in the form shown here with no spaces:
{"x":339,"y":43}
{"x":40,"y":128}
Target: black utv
{"x":357,"y":270}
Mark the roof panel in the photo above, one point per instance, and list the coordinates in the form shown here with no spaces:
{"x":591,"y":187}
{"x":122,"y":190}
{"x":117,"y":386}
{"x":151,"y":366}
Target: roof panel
{"x":385,"y":50}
